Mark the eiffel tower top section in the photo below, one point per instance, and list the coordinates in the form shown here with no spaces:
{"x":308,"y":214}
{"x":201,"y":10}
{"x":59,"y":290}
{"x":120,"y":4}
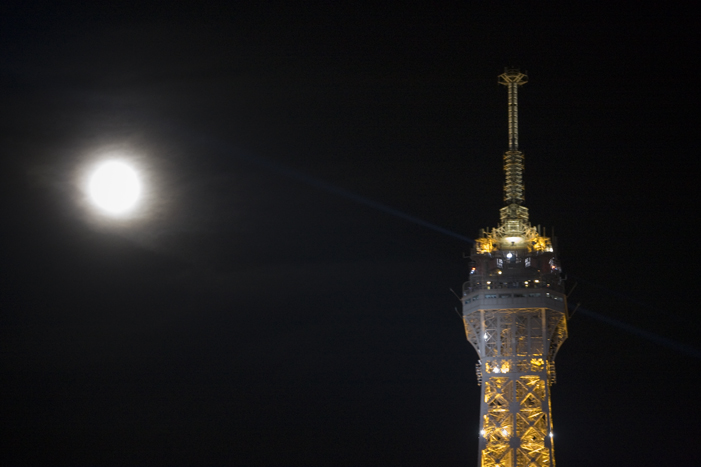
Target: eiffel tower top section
{"x":514,"y":230}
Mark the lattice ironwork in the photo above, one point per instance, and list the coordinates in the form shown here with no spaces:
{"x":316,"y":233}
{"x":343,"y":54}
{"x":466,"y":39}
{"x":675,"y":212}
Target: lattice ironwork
{"x":498,"y":422}
{"x":512,"y":79}
{"x":516,"y":346}
{"x":514,"y":188}
{"x":557,"y":337}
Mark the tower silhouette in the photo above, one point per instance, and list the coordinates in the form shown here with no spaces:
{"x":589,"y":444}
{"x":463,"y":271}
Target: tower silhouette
{"x":514,"y":310}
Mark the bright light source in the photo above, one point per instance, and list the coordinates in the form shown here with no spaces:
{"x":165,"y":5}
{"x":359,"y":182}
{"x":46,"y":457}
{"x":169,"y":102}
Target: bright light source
{"x":486,"y":336}
{"x":509,"y":255}
{"x":551,"y":434}
{"x":504,"y":432}
{"x":114,"y":187}
{"x":496,"y":370}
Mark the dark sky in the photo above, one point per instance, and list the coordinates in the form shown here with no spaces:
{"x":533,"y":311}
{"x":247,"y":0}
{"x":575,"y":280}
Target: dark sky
{"x":266,"y":307}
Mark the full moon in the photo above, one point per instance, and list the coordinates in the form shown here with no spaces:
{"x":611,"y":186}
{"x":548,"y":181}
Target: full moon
{"x":114,"y":187}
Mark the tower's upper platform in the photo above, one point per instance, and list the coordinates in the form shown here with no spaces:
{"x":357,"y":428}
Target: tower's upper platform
{"x":515,"y":252}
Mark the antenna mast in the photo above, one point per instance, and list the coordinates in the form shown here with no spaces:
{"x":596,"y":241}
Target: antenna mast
{"x":512,"y":78}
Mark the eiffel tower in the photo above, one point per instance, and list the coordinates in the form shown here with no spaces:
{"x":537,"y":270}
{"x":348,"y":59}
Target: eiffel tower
{"x":514,"y":311}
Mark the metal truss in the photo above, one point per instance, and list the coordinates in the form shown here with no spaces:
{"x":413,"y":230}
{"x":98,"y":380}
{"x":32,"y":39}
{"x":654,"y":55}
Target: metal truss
{"x":514,"y":188}
{"x":513,"y":158}
{"x":517,"y":347}
{"x":502,"y":336}
{"x":512,"y":79}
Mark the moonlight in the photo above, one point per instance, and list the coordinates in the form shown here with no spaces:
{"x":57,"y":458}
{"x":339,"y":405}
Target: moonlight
{"x":114,"y":187}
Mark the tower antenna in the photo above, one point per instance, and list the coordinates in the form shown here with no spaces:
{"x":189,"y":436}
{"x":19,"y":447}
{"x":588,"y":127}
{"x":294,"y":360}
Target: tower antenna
{"x":512,"y":78}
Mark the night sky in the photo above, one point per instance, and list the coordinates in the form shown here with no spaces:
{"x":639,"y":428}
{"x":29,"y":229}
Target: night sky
{"x":313,"y":175}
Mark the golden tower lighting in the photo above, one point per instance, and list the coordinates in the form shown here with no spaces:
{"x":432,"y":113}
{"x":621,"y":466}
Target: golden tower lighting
{"x":514,"y":310}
